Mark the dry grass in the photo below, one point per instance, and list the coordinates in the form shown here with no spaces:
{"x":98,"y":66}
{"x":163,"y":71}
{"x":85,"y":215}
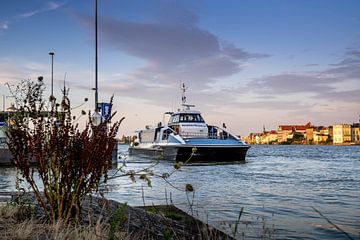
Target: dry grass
{"x":25,"y":222}
{"x":14,"y":227}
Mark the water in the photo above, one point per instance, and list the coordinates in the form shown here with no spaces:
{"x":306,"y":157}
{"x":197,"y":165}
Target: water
{"x":279,"y":188}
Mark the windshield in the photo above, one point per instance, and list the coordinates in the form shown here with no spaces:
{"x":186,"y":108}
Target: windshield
{"x":186,"y":117}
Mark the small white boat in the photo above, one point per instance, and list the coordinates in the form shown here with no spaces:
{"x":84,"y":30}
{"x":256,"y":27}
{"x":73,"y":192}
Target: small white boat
{"x":187,"y":134}
{"x":5,"y":156}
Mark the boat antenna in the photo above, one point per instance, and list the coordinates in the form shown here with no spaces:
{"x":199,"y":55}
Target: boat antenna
{"x":183,"y":96}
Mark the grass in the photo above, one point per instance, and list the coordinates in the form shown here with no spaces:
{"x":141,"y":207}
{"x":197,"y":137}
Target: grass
{"x":14,"y":226}
{"x":22,"y":221}
{"x":167,"y":212}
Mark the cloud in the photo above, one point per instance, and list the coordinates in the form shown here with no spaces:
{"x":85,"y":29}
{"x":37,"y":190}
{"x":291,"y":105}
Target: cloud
{"x":52,"y":6}
{"x":329,"y":84}
{"x":49,"y":6}
{"x":28,"y":14}
{"x":175,"y":49}
{"x":175,"y":54}
{"x":293,"y":83}
{"x":353,"y":52}
{"x":275,"y":105}
{"x":349,"y":67}
{"x":4,"y":25}
{"x":14,"y":70}
{"x":351,"y":96}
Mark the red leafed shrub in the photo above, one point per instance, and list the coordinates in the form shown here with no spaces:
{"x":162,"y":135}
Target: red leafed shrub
{"x":69,"y":162}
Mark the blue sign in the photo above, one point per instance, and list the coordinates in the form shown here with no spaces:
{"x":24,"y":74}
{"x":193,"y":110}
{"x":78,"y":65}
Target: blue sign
{"x":106,"y":110}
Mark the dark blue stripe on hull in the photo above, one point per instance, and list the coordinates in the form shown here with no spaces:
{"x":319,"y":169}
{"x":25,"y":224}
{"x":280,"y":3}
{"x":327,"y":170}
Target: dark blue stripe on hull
{"x":202,"y":154}
{"x":206,"y":154}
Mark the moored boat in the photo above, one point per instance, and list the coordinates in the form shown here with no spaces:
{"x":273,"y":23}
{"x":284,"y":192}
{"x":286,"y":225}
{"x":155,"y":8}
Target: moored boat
{"x":188,"y":135}
{"x":5,"y":156}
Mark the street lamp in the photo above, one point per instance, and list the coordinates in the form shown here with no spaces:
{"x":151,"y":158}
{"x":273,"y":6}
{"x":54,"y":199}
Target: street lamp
{"x":52,"y":74}
{"x":96,"y":116}
{"x":96,"y":57}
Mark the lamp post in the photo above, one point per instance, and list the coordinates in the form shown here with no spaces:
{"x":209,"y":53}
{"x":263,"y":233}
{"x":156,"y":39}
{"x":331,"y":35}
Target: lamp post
{"x":96,"y":117}
{"x":52,"y":74}
{"x":96,"y":58}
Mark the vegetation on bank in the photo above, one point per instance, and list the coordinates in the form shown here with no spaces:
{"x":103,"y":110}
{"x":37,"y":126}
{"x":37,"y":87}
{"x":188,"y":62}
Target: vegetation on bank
{"x":102,"y":219}
{"x":71,"y":163}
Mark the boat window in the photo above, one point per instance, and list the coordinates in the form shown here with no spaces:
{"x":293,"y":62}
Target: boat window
{"x":191,"y":118}
{"x":166,"y":134}
{"x":174,"y":119}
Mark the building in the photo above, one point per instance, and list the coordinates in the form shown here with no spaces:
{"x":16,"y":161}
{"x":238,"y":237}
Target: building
{"x":317,"y":135}
{"x":286,"y":132}
{"x":253,"y":138}
{"x":269,"y":137}
{"x":341,"y":134}
{"x":321,"y":135}
{"x":355,"y":133}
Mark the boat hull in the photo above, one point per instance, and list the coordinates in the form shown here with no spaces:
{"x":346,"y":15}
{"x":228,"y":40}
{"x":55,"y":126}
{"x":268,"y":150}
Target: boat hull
{"x":5,"y":157}
{"x":201,"y":154}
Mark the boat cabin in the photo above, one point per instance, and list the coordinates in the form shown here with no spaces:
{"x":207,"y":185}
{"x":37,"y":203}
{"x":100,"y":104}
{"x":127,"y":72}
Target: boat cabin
{"x":189,"y":124}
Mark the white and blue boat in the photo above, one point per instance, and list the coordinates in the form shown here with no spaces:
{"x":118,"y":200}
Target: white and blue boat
{"x":185,"y":131}
{"x":5,"y":156}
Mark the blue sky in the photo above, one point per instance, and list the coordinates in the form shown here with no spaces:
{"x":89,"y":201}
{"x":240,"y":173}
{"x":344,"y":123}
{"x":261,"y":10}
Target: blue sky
{"x":247,"y":63}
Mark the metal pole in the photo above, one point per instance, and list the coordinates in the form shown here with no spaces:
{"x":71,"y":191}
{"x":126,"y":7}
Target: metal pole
{"x":96,"y":59}
{"x":4,"y":102}
{"x":52,"y":74}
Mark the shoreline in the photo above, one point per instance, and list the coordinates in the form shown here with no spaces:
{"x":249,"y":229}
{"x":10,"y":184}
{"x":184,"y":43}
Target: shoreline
{"x":146,"y":222}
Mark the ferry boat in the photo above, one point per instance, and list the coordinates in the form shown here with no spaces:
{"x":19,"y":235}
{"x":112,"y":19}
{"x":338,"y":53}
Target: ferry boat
{"x":187,"y":136}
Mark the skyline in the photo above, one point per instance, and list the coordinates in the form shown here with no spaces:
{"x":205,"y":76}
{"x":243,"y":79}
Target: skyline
{"x":247,"y":63}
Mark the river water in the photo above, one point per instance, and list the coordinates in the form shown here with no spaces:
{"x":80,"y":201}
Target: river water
{"x":286,"y":192}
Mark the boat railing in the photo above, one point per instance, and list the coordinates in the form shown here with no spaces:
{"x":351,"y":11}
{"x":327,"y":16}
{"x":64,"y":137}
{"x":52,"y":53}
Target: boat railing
{"x":193,"y":135}
{"x":214,"y":132}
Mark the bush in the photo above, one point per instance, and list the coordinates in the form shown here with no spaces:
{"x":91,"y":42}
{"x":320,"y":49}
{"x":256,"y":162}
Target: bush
{"x":70,"y":163}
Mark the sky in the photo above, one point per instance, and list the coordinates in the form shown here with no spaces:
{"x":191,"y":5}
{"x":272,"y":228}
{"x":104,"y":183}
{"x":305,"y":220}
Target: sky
{"x":247,"y":63}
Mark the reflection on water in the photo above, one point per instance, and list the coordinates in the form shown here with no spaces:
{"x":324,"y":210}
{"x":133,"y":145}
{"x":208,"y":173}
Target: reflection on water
{"x":278,"y":187}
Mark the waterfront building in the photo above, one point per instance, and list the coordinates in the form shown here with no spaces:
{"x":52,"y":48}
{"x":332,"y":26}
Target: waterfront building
{"x":321,"y":135}
{"x":331,"y":133}
{"x":341,"y":134}
{"x":355,"y":133}
{"x":309,"y":134}
{"x":286,"y":132}
{"x":317,"y":135}
{"x":269,"y":137}
{"x":253,"y":138}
